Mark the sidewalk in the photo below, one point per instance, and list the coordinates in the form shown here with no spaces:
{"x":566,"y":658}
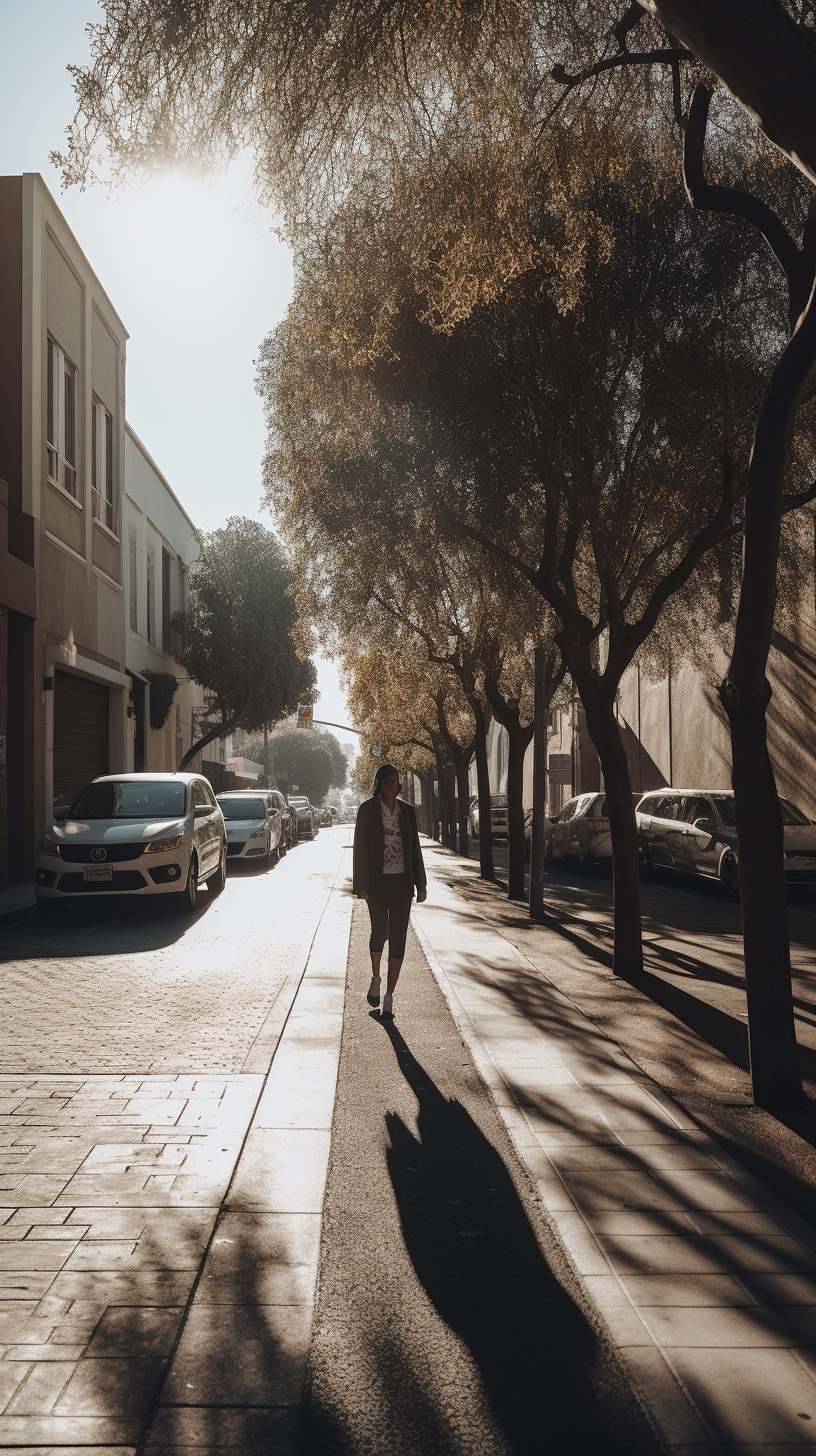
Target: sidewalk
{"x":706,"y":1280}
{"x":163,"y":1235}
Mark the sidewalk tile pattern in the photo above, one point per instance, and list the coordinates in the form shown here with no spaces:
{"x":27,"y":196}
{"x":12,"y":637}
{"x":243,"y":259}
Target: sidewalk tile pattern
{"x":705,"y":1279}
{"x":111,"y":1186}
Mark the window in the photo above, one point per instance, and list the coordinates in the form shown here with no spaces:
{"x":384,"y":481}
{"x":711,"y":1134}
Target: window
{"x":61,"y":429}
{"x":151,"y":596}
{"x":102,"y":468}
{"x":133,"y":584}
{"x":167,"y":609}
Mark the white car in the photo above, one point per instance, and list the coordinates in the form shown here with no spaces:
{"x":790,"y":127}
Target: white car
{"x":253,"y":823}
{"x":134,"y":834}
{"x":581,"y":831}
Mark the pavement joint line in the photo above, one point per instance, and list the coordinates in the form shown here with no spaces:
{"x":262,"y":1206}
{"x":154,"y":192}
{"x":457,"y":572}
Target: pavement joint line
{"x":690,"y":1337}
{"x":157,"y":1404}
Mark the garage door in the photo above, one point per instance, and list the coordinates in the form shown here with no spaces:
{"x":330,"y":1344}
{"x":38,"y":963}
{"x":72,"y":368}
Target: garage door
{"x":80,"y":734}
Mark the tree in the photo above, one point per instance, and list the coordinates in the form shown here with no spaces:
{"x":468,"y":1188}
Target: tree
{"x":300,"y":757}
{"x":415,"y":714}
{"x":339,"y":761}
{"x":556,"y":436}
{"x":235,"y":638}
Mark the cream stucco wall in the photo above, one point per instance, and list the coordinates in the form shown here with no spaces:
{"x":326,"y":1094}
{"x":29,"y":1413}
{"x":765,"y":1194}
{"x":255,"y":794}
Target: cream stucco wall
{"x":155,"y":520}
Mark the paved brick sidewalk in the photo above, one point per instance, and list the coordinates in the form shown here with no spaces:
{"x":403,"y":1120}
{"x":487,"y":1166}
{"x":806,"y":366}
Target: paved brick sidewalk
{"x":706,"y":1280}
{"x":160,"y":1234}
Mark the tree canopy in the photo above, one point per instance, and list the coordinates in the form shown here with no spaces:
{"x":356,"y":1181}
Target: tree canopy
{"x":235,"y":638}
{"x":301,"y":757}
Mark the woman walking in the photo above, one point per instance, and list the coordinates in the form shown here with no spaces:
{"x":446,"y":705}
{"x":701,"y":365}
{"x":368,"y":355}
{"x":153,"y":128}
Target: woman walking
{"x":387,"y":867}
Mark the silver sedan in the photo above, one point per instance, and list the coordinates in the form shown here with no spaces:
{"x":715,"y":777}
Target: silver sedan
{"x":581,"y":831}
{"x":695,"y":831}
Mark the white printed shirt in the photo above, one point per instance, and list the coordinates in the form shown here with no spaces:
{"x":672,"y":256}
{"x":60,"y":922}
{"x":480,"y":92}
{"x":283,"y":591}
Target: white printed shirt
{"x":393,"y":854}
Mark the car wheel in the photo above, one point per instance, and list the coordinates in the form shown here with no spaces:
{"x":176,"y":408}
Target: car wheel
{"x":729,"y":874}
{"x":220,"y":877}
{"x":188,"y":897}
{"x":49,"y":909}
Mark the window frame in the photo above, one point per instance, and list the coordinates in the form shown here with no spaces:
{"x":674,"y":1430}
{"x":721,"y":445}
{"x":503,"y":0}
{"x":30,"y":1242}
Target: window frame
{"x":102,"y":471}
{"x":61,"y":423}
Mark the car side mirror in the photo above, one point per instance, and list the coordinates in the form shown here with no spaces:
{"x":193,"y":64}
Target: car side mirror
{"x":201,"y":809}
{"x":60,"y":813}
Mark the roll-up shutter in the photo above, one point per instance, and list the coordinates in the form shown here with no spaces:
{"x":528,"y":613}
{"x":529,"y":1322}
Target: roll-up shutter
{"x":80,"y":734}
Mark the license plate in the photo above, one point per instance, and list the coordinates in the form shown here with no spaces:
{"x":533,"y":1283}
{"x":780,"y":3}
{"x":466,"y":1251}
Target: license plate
{"x":97,"y":872}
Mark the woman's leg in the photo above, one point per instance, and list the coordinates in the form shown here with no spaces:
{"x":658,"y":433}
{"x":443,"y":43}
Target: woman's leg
{"x":399,"y":909}
{"x":378,"y":914}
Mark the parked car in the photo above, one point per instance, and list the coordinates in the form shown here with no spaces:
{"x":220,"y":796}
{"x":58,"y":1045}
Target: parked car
{"x":695,"y":831}
{"x":287,"y":832}
{"x":253,"y":824}
{"x":580,"y":833}
{"x":134,"y":834}
{"x":302,"y":817}
{"x":326,"y":816}
{"x":498,"y":816}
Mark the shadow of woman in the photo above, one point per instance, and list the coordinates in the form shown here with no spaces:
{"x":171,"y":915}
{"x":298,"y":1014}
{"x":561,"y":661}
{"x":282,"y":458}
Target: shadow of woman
{"x":552,"y":1380}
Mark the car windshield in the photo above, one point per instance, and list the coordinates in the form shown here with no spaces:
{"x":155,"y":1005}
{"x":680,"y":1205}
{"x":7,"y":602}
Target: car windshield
{"x":725,"y":808}
{"x":130,"y":799}
{"x":790,"y":813}
{"x":241,"y":808}
{"x":299,"y":803}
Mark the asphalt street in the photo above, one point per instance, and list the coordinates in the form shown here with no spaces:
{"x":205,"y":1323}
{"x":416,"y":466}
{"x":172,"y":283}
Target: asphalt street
{"x":134,"y":986}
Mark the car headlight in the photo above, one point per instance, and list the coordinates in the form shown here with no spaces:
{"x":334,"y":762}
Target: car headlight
{"x":258,"y":834}
{"x":47,"y":846}
{"x":159,"y":846}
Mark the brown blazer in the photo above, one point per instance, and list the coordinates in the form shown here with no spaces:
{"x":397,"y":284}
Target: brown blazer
{"x":369,"y":847}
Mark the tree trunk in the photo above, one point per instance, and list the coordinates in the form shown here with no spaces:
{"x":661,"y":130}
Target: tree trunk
{"x":519,"y":739}
{"x":486,"y":869}
{"x":542,"y":695}
{"x":775,"y":1071}
{"x":442,"y":771}
{"x":605,"y":734}
{"x":462,"y":767}
{"x":745,"y":694}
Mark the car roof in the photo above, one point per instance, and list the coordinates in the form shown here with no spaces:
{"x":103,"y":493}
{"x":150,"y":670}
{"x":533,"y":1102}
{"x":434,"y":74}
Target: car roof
{"x":137,"y":778}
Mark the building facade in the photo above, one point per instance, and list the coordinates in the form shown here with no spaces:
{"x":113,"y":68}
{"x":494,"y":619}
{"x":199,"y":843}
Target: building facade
{"x":94,"y":546}
{"x":160,"y":545}
{"x":62,"y":432}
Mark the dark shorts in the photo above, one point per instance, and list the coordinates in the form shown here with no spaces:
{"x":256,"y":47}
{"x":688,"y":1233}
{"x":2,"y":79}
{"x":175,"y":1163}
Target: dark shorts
{"x":389,"y":915}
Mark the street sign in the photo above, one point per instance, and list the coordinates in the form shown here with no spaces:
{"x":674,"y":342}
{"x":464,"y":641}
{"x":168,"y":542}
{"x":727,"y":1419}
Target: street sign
{"x":295,"y":788}
{"x":304,"y":717}
{"x":559,"y":768}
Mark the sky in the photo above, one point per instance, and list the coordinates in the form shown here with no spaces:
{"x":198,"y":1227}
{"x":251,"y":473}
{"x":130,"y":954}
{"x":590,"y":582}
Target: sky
{"x":191,"y":265}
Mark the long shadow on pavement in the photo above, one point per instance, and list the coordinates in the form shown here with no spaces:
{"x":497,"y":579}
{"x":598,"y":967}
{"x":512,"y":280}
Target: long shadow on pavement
{"x":475,"y":1254}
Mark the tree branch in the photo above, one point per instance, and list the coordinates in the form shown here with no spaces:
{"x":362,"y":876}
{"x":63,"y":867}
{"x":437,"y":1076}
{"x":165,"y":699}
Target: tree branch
{"x":708,"y":197}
